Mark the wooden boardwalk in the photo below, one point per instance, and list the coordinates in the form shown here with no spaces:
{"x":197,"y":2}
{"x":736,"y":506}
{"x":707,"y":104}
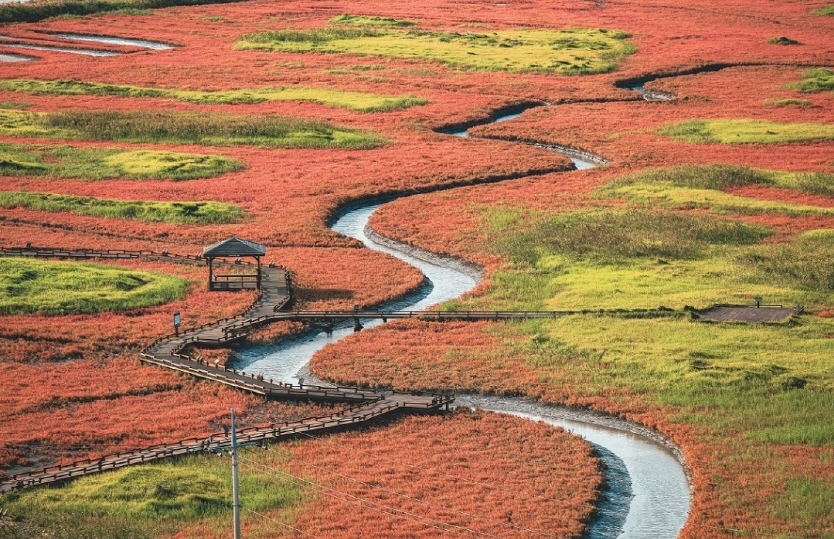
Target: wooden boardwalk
{"x":167,"y":352}
{"x":222,"y":440}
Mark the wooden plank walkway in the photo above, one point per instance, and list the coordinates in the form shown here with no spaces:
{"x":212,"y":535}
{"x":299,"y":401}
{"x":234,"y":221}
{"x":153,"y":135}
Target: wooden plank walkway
{"x":222,"y":440}
{"x":167,"y":352}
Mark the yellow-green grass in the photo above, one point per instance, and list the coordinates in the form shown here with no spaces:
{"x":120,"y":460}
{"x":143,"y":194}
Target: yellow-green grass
{"x":370,"y":20}
{"x":827,"y":10}
{"x":102,"y":163}
{"x":358,"y":101}
{"x":645,"y":259}
{"x":787,"y":102}
{"x":815,"y":80}
{"x":185,"y":128}
{"x":721,"y":176}
{"x":782,"y":40}
{"x":767,"y":382}
{"x":746,"y":131}
{"x":30,"y":286}
{"x":667,"y":195}
{"x":37,"y":11}
{"x":156,"y":500}
{"x":568,"y":52}
{"x":700,"y":186}
{"x":185,"y":213}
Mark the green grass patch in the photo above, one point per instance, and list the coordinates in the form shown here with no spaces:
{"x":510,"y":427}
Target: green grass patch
{"x":746,"y":132}
{"x":768,"y":383}
{"x":788,"y":102}
{"x":782,"y":40}
{"x":185,"y":128}
{"x":14,"y":105}
{"x":154,"y":500}
{"x":645,"y":259}
{"x":611,"y":235}
{"x":701,"y":186}
{"x":815,"y":80}
{"x":367,"y":20}
{"x":670,"y":196}
{"x":358,"y":101}
{"x":30,"y":286}
{"x":38,"y":11}
{"x":102,"y":164}
{"x":721,"y":177}
{"x":567,"y":52}
{"x":827,"y":11}
{"x":184,"y":213}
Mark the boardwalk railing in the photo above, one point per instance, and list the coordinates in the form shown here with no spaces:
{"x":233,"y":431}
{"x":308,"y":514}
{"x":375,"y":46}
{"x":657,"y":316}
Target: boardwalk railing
{"x":214,"y":442}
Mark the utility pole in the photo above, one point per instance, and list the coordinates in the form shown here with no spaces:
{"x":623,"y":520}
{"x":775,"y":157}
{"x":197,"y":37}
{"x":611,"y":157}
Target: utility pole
{"x":235,"y":494}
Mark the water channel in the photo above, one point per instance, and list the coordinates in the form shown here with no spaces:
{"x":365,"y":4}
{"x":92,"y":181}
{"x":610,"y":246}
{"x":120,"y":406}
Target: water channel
{"x":646,"y":493}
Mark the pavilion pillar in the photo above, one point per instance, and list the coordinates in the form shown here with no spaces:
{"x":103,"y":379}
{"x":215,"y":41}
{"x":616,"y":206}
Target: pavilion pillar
{"x":211,"y":274}
{"x":259,"y":271}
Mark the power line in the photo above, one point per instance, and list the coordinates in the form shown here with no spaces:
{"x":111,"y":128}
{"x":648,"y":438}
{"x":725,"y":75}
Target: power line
{"x":276,"y":521}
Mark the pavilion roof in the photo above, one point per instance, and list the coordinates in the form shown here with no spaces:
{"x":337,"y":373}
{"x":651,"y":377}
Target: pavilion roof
{"x":234,"y":247}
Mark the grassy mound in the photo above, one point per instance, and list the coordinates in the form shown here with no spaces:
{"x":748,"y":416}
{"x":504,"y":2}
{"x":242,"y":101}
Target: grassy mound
{"x":37,"y":11}
{"x":49,"y":287}
{"x":746,"y":132}
{"x":185,"y":128}
{"x":568,"y":52}
{"x":700,"y":186}
{"x":639,"y":259}
{"x":102,"y":164}
{"x":816,"y":80}
{"x":185,"y":213}
{"x":615,"y":234}
{"x":358,"y":101}
{"x":366,"y":20}
{"x":153,"y":500}
{"x":827,"y":11}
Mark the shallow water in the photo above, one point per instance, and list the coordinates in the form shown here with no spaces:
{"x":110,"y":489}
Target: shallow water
{"x":115,"y":40}
{"x":16,"y":58}
{"x":85,"y":52}
{"x":579,"y":163}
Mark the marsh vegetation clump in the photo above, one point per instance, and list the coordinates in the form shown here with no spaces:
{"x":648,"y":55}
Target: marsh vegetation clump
{"x":214,"y":129}
{"x":358,"y":101}
{"x":183,"y":213}
{"x":54,"y":288}
{"x":567,"y":52}
{"x":60,"y":162}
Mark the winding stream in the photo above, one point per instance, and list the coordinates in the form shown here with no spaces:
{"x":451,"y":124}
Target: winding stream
{"x":646,"y":492}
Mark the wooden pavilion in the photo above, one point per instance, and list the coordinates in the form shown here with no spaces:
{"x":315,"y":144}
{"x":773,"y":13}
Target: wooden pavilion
{"x":234,"y":248}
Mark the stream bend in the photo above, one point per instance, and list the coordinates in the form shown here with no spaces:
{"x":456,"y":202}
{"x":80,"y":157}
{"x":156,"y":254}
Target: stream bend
{"x":645,"y":492}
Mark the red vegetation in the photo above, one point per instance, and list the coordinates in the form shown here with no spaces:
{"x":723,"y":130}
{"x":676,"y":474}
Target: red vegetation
{"x":73,"y":385}
{"x":437,"y":476}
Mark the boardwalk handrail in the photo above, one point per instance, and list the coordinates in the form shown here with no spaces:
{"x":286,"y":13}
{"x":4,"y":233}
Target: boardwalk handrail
{"x":213,"y":442}
{"x":166,"y":352}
